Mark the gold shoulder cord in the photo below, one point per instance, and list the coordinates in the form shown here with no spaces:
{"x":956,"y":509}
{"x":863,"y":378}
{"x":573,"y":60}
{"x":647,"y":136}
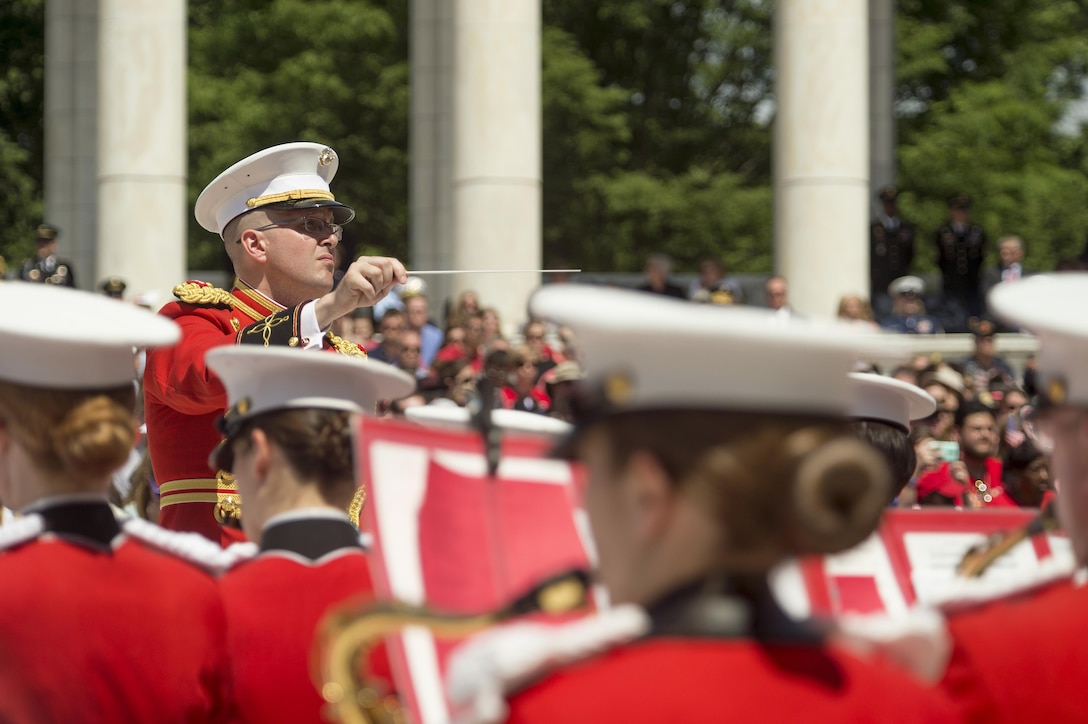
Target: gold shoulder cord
{"x":209,"y":296}
{"x":357,"y":502}
{"x":193,"y":293}
{"x":347,"y":634}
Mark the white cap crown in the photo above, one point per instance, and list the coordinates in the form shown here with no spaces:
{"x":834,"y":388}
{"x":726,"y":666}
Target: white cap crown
{"x":68,"y":339}
{"x":298,"y":172}
{"x":649,"y":352}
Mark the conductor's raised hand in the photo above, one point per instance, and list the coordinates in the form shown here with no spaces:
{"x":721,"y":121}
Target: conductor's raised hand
{"x":366,"y":282}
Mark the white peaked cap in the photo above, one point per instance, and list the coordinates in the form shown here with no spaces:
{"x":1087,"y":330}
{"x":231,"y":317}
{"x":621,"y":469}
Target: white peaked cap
{"x":650,"y":352}
{"x":288,"y":172}
{"x":262,"y":379}
{"x":890,"y":400}
{"x":62,"y":338}
{"x":512,"y":420}
{"x":1054,"y":307}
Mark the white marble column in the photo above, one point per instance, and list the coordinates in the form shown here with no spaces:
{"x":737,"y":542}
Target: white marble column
{"x":430,"y":145}
{"x":821,"y":151}
{"x":71,"y":116}
{"x":882,"y":130}
{"x":496,"y":150}
{"x":142,"y":143}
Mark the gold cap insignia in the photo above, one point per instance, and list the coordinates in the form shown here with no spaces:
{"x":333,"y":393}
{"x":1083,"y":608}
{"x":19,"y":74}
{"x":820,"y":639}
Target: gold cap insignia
{"x":327,"y":156}
{"x":1057,"y":391}
{"x":618,"y":388}
{"x":242,"y":406}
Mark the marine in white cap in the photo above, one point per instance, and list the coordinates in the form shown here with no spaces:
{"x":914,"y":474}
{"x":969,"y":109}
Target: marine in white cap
{"x":705,"y":470}
{"x":1034,"y":633}
{"x":280,"y":224}
{"x":883,"y":411}
{"x":289,"y":445}
{"x":102,"y":619}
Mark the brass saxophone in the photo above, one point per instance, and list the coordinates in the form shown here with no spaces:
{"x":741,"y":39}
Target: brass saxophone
{"x":347,"y":634}
{"x":979,"y":558}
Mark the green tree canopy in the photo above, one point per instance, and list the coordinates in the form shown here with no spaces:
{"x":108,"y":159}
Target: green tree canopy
{"x":329,"y":71}
{"x":22,"y":106}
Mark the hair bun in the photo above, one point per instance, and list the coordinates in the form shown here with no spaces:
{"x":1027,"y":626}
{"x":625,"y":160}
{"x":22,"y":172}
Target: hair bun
{"x":96,"y":437}
{"x":841,"y":488}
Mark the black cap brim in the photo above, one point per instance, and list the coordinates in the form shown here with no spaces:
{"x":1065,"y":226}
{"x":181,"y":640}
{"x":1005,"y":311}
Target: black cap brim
{"x":341,"y":213}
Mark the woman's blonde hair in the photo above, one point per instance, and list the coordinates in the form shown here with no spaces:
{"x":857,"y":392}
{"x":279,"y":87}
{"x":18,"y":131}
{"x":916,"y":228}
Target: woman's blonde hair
{"x":80,"y":432}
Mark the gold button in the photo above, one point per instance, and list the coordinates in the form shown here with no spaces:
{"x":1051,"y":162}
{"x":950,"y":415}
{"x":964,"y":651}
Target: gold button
{"x":293,"y":342}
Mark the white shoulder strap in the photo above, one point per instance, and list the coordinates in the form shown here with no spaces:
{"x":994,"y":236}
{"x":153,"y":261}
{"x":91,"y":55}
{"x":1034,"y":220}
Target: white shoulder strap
{"x":21,"y":530}
{"x":191,"y":547}
{"x":487,"y":667}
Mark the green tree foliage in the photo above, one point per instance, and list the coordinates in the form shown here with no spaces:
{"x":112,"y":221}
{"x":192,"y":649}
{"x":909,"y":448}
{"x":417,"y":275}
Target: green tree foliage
{"x":22,"y":101}
{"x":329,"y":71}
{"x":982,"y":86}
{"x":653,"y":136}
{"x":656,"y":119}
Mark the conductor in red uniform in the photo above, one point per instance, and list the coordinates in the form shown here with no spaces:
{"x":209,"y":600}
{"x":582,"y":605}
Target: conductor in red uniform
{"x":1035,"y":636}
{"x":700,"y":481}
{"x":101,"y":619}
{"x":289,"y":444}
{"x":280,"y":223}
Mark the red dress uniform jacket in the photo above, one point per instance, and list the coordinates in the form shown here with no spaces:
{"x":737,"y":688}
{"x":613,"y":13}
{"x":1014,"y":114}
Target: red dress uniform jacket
{"x":274,"y":604}
{"x":1021,"y":658}
{"x":695,"y":666}
{"x":183,"y":399}
{"x":99,"y":624}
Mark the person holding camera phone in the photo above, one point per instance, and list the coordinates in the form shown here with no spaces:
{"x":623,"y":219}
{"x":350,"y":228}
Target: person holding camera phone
{"x":970,"y":474}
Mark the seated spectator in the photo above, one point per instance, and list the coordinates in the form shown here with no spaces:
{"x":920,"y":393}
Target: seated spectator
{"x":1012,"y":401}
{"x":908,"y":310}
{"x":927,"y":459}
{"x":1010,"y":263}
{"x":983,"y":367}
{"x":713,"y":286}
{"x":945,"y":385}
{"x":408,"y":359}
{"x":560,"y":384}
{"x":458,"y":382}
{"x":1026,"y":475}
{"x":471,"y":348}
{"x":492,"y":325}
{"x":390,"y":328}
{"x":905,"y":373}
{"x":417,"y":310}
{"x":776,"y":294}
{"x":544,"y":356}
{"x":853,"y":308}
{"x":976,"y":477}
{"x":466,"y":305}
{"x":522,"y":393}
{"x":658,"y":268}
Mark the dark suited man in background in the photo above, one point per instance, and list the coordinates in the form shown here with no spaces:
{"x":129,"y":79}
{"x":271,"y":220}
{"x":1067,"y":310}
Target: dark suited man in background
{"x":961,"y":249}
{"x":45,"y":267}
{"x":891,"y":250}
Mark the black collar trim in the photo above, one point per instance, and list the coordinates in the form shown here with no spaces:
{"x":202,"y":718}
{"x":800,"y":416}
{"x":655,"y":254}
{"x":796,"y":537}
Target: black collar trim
{"x":91,"y":524}
{"x":311,"y":538}
{"x":718,"y":608}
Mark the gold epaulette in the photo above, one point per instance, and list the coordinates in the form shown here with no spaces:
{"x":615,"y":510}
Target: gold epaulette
{"x":343,"y":346}
{"x":200,"y":293}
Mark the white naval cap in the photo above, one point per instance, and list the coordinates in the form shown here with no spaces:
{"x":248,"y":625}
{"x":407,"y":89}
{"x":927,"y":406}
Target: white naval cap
{"x":649,"y":352}
{"x":889,"y":400}
{"x":291,"y":175}
{"x":511,"y":420}
{"x":68,"y":339}
{"x":907,"y":285}
{"x":1052,"y":307}
{"x":263,"y":379}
